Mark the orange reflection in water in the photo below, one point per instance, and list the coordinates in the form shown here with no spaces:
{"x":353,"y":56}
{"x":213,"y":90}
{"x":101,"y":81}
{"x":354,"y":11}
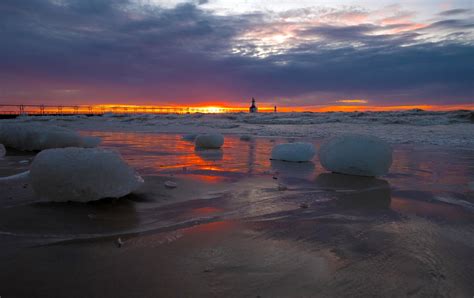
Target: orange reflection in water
{"x":212,"y":227}
{"x":432,"y":169}
{"x":153,"y":153}
{"x":205,"y":210}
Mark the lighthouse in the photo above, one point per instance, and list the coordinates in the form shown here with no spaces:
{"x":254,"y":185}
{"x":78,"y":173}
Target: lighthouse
{"x":253,"y":108}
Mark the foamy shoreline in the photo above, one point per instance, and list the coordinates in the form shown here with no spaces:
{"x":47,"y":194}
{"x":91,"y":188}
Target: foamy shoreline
{"x":452,"y":129}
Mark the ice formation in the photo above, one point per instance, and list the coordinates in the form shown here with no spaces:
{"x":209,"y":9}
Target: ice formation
{"x":211,"y":140}
{"x":34,"y":137}
{"x":356,"y":154}
{"x":78,"y":174}
{"x":295,"y":152}
{"x":3,"y":151}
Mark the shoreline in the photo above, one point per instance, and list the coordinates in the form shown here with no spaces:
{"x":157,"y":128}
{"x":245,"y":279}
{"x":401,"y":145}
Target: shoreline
{"x":395,"y":127}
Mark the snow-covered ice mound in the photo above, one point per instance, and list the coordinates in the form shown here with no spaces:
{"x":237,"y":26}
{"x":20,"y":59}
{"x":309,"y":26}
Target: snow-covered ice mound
{"x":78,"y":174}
{"x":211,"y":141}
{"x":295,"y":152}
{"x":33,"y":137}
{"x":356,"y":154}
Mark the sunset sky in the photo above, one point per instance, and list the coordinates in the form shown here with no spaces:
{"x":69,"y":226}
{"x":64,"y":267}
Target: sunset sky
{"x":222,"y":52}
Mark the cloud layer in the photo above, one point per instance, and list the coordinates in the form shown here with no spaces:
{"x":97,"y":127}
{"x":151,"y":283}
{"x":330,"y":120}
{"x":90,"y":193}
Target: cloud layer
{"x":90,"y":51}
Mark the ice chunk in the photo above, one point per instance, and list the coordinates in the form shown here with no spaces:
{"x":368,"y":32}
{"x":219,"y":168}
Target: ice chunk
{"x":3,"y":151}
{"x":356,"y":154}
{"x":211,"y":140}
{"x":78,"y":174}
{"x":29,"y":137}
{"x":295,"y":152}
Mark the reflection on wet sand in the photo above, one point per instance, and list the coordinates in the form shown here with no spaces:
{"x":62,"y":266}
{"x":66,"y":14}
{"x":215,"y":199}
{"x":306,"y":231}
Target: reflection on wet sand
{"x":354,"y":191}
{"x":423,"y":204}
{"x":155,"y":154}
{"x":210,"y":154}
{"x":284,"y":169}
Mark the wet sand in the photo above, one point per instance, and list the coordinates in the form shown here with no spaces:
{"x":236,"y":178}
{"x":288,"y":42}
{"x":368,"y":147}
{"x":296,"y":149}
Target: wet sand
{"x":230,"y":230}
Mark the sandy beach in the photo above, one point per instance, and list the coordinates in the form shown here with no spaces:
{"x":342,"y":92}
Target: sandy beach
{"x":240,"y":225}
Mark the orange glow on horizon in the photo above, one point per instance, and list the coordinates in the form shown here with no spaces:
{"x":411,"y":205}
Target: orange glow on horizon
{"x":352,"y":105}
{"x":345,"y":105}
{"x":364,"y":108}
{"x":353,"y":101}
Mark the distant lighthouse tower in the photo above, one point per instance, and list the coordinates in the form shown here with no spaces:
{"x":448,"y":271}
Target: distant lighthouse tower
{"x":253,"y":108}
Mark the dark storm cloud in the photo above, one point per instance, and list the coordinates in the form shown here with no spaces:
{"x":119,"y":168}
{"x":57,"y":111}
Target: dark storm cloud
{"x":453,"y":24}
{"x":119,"y":50}
{"x":452,"y":12}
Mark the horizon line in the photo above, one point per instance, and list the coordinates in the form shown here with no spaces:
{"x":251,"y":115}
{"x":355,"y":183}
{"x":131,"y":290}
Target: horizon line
{"x":216,"y":108}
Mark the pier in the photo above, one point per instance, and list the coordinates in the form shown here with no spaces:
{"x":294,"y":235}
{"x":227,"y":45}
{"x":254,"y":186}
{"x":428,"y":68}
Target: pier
{"x":15,"y":110}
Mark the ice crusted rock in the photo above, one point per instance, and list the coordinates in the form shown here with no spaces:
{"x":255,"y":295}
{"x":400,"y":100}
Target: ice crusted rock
{"x":3,"y":151}
{"x":78,"y":174}
{"x":295,"y":152}
{"x":212,"y":141}
{"x":33,"y":137}
{"x":356,"y":154}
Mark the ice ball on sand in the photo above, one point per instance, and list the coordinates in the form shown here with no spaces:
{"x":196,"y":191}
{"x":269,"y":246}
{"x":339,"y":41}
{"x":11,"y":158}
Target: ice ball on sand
{"x":294,"y":152}
{"x":356,"y":154}
{"x":211,"y":141}
{"x":78,"y":174}
{"x":29,"y":137}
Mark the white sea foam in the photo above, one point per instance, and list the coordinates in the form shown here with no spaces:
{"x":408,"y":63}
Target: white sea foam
{"x":403,"y":127}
